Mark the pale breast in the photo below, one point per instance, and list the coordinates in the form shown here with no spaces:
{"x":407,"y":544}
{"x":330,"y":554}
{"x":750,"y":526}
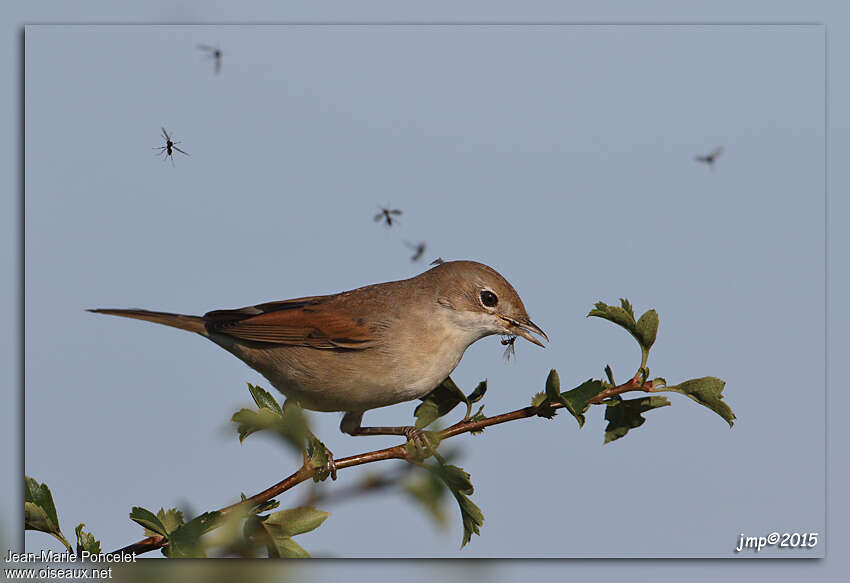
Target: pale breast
{"x":356,"y":380}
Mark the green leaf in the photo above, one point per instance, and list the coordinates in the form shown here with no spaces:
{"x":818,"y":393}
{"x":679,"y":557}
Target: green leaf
{"x":288,"y":423}
{"x":458,"y":483}
{"x":647,"y":328}
{"x":276,"y":529}
{"x":286,"y":548}
{"x":35,"y":518}
{"x":627,"y":307}
{"x":609,"y":374}
{"x":293,"y":427}
{"x":428,"y":490}
{"x":263,"y":399}
{"x":434,"y":438}
{"x":296,"y":521}
{"x":445,"y":397}
{"x":40,"y":512}
{"x":543,"y":401}
{"x":149,"y":520}
{"x":39,"y":494}
{"x":86,"y":541}
{"x":170,"y":519}
{"x":250,"y":421}
{"x":473,"y":518}
{"x":624,"y":415}
{"x":478,"y":393}
{"x":477,"y":416}
{"x":228,"y":535}
{"x":553,"y":386}
{"x":544,"y":406}
{"x":578,"y":399}
{"x":644,"y":330}
{"x":618,"y":315}
{"x":319,"y":457}
{"x":707,"y":391}
{"x":185,"y":541}
{"x":538,"y":399}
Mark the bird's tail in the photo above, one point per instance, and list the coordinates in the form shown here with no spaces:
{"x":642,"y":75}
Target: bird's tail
{"x":190,"y":323}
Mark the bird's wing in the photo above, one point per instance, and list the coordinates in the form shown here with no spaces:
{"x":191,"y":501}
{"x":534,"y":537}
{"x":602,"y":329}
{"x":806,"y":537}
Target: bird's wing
{"x":313,"y":321}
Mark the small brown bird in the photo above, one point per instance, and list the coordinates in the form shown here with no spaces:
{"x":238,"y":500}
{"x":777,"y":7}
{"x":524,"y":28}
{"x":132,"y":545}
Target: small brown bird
{"x":369,"y":347}
{"x":167,"y":151}
{"x":418,"y":250}
{"x":710,"y":157}
{"x":387,"y":215}
{"x":213,"y":53}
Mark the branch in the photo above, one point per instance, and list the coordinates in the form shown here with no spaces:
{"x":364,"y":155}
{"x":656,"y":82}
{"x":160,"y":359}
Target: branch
{"x":370,"y":484}
{"x":306,"y":471}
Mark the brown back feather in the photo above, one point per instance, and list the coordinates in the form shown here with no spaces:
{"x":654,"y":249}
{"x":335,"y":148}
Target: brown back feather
{"x":309,"y":321}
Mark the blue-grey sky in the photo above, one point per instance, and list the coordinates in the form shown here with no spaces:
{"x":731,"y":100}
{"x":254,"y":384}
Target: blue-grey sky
{"x":560,"y":155}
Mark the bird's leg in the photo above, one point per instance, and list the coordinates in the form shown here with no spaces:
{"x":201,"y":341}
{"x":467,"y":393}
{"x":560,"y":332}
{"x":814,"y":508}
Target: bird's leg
{"x":350,"y":424}
{"x":316,"y":450}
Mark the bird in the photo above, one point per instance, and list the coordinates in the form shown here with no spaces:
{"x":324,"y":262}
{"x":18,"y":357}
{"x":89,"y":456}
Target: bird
{"x":369,"y":347}
{"x":710,"y":157}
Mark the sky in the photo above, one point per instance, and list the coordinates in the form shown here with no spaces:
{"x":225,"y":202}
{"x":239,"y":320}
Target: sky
{"x":561,"y":155}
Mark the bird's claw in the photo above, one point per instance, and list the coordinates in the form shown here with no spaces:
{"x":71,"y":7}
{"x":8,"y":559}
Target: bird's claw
{"x":418,"y":444}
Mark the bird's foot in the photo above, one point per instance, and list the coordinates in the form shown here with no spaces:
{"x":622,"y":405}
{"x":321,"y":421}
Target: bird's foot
{"x":420,"y":444}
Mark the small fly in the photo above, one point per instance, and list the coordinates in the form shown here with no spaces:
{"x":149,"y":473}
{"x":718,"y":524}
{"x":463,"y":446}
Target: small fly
{"x":418,"y":250}
{"x":167,"y":151}
{"x":387,"y":215}
{"x":213,"y":53}
{"x":710,"y":157}
{"x":510,"y":351}
{"x":438,"y":261}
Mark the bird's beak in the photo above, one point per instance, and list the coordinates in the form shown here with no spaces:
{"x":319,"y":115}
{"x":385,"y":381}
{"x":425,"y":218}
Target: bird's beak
{"x":523,"y":327}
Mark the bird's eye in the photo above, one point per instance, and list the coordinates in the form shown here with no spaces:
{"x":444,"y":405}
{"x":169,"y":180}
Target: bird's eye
{"x":489,"y":299}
